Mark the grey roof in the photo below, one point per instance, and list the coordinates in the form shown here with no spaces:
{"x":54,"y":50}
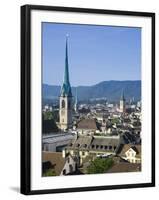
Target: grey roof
{"x":105,"y":141}
{"x":57,"y":138}
{"x":81,"y":142}
{"x":95,"y":143}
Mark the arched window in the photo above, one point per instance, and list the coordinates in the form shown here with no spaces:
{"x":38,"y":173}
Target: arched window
{"x":63,"y":104}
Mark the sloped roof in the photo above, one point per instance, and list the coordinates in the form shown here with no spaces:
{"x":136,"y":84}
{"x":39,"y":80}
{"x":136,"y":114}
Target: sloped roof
{"x":95,"y":143}
{"x":87,"y":124}
{"x":105,"y":141}
{"x":82,"y":142}
{"x":56,"y":160}
{"x":125,"y":147}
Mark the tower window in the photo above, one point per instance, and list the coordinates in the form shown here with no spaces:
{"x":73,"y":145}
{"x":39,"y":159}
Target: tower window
{"x":63,"y":104}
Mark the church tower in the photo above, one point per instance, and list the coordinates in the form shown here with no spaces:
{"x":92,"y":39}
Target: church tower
{"x":122,"y":103}
{"x":65,"y":111}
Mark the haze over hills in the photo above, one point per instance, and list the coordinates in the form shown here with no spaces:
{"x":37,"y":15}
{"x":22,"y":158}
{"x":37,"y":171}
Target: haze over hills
{"x":107,"y":89}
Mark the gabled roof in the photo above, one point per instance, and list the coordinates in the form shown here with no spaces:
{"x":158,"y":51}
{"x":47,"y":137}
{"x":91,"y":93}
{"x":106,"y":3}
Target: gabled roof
{"x":125,"y":147}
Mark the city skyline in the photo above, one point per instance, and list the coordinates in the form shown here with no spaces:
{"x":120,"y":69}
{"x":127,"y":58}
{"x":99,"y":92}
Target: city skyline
{"x":95,"y":51}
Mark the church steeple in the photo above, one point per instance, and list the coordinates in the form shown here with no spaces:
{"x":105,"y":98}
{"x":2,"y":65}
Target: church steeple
{"x":65,"y":111}
{"x":66,"y":88}
{"x":122,"y":102}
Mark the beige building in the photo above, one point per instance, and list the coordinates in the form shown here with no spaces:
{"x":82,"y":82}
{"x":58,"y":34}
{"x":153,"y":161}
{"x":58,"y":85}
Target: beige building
{"x":91,"y":147}
{"x":87,"y":127}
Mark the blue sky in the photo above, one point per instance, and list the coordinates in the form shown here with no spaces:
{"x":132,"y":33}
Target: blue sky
{"x":96,"y":53}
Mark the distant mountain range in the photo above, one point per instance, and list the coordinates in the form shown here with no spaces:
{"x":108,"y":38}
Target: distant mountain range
{"x":107,"y":89}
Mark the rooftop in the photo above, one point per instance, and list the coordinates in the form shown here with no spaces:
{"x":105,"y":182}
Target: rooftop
{"x":87,"y":124}
{"x":56,"y":160}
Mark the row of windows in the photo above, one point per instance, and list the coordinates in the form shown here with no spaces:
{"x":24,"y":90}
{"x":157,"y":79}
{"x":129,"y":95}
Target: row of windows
{"x":104,"y":147}
{"x":133,"y":161}
{"x":96,"y":146}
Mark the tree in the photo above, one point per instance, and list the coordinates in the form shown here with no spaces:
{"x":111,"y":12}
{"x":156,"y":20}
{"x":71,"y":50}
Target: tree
{"x":99,"y":165}
{"x":48,"y":115}
{"x":49,"y":172}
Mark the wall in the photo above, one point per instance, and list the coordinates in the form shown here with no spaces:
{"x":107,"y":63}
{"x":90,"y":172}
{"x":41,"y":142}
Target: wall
{"x":10,"y":98}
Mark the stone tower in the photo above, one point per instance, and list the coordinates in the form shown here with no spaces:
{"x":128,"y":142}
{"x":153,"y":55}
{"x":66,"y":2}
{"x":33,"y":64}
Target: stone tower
{"x":65,"y":111}
{"x":122,"y":103}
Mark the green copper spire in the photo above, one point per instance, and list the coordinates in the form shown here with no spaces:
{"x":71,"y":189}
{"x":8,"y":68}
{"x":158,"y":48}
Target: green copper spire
{"x":66,"y":88}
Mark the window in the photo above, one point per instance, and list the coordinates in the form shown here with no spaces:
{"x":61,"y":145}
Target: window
{"x":83,"y":153}
{"x":77,"y":145}
{"x":63,"y":104}
{"x":64,"y":172}
{"x":110,"y":147}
